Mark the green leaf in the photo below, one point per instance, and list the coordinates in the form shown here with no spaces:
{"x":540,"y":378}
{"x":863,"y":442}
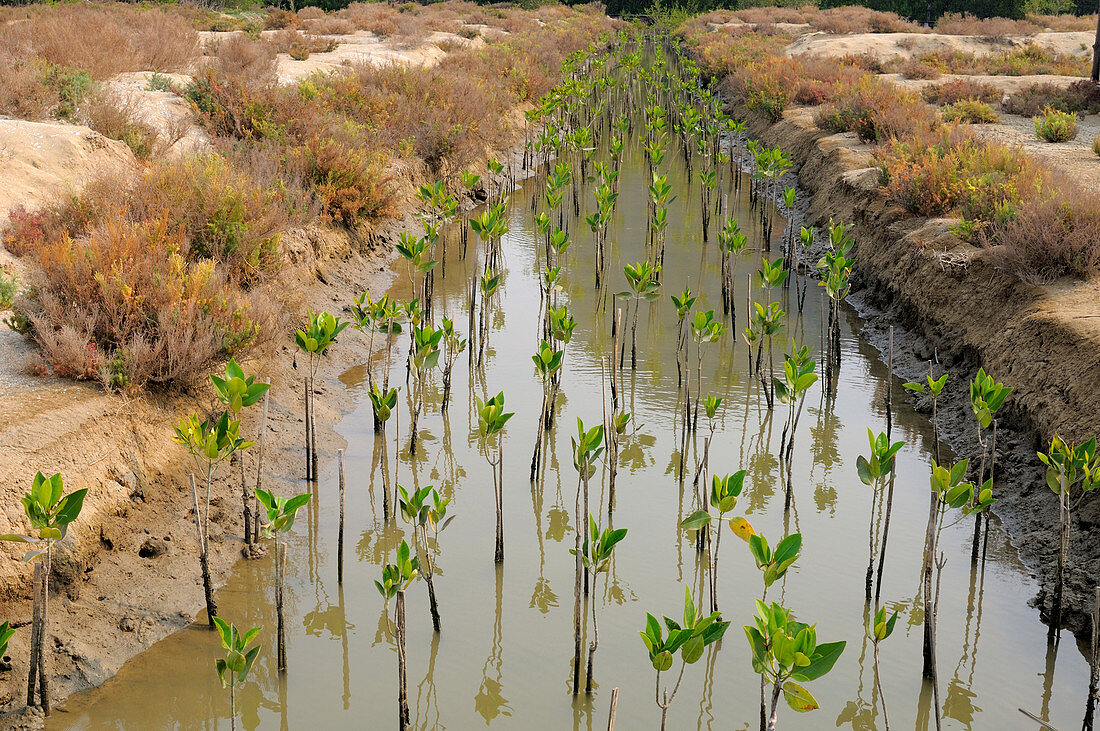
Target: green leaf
{"x":696,"y":520}
{"x":821,"y":663}
{"x":662,"y":661}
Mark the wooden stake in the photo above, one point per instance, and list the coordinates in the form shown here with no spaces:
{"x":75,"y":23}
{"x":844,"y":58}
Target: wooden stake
{"x":614,"y":707}
{"x":340,"y":534}
{"x":208,"y":590}
{"x":260,"y":465}
{"x":280,"y":555}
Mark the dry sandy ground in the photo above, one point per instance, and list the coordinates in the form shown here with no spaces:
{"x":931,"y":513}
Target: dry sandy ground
{"x":904,"y":45}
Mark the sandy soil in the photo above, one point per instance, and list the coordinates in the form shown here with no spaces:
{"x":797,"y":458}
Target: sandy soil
{"x":165,"y":111}
{"x":1075,"y":157}
{"x":905,"y":45}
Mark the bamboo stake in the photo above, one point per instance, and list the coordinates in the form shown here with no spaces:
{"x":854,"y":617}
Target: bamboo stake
{"x":260,"y":464}
{"x":614,"y":707}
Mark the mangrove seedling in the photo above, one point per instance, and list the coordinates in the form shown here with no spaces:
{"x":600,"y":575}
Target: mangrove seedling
{"x":874,"y":471}
{"x":396,"y":579}
{"x":724,"y":492}
{"x":587,"y":448}
{"x":238,"y":391}
{"x":1072,"y":471}
{"x":595,"y":554}
{"x":453,"y":345}
{"x":986,"y":398}
{"x":785,"y":653}
{"x":210,"y":443}
{"x":50,"y":513}
{"x":491,"y":419}
{"x":233,"y":669}
{"x":645,"y":285}
{"x":315,"y":340}
{"x":423,"y":515}
{"x":425,"y":357}
{"x":280,"y":519}
{"x":547,"y":364}
{"x":689,"y":639}
{"x":774,"y":564}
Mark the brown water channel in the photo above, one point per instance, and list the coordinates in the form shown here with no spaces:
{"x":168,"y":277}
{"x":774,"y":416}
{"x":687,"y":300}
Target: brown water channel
{"x":504,"y":656}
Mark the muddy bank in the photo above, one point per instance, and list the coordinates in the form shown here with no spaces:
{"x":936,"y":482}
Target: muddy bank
{"x":952,"y":305}
{"x":128,"y":575}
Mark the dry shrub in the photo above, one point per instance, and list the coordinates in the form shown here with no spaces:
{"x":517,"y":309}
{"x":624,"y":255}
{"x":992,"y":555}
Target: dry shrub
{"x":1064,"y":23}
{"x":277,"y":18}
{"x":769,"y":15}
{"x":406,"y":25}
{"x":103,"y":40}
{"x":955,"y":90}
{"x":1058,"y":234}
{"x":914,"y":68}
{"x":328,"y":25}
{"x":1024,"y":61}
{"x":865,"y":61}
{"x":23,"y":90}
{"x":310,"y":12}
{"x":858,"y":19}
{"x":349,"y":181}
{"x":1096,"y":145}
{"x":298,"y":44}
{"x":151,"y":281}
{"x":876,"y":111}
{"x":115,"y":115}
{"x":965,"y":24}
{"x":1080,"y":96}
{"x":935,"y":172}
{"x":971,"y":111}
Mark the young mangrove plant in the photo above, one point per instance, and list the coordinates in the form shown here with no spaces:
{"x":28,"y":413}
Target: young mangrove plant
{"x":547,"y":364}
{"x":645,"y":285}
{"x":933,"y":387}
{"x":595,"y":554}
{"x":491,"y":419}
{"x":683,"y":304}
{"x":396,"y":579}
{"x":986,"y":398}
{"x":280,"y":519}
{"x":724,"y":492}
{"x":238,"y":391}
{"x":425,"y":357}
{"x":453,"y":345}
{"x":424,"y":516}
{"x":587,"y":448}
{"x":798,"y":378}
{"x":785,"y":653}
{"x":731,"y":242}
{"x":767,"y":322}
{"x":705,"y":330}
{"x":210,"y":442}
{"x":50,"y":512}
{"x":952,"y":492}
{"x":383,"y":403}
{"x":1072,"y":471}
{"x":315,"y":340}
{"x":835,"y":268}
{"x":874,"y":471}
{"x":879,"y":628}
{"x":233,"y":669}
{"x":689,"y":639}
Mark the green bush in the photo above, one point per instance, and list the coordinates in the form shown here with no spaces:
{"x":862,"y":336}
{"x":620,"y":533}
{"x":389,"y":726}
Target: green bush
{"x":9,"y":285}
{"x":969,"y":110}
{"x":1096,"y":144}
{"x":1055,"y":126}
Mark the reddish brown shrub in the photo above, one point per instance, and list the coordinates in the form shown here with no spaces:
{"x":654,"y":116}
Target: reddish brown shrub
{"x":965,"y":24}
{"x":956,"y":90}
{"x":914,"y":68}
{"x":876,"y":111}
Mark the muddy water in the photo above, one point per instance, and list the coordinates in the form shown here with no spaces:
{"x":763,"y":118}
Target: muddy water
{"x":504,"y":655}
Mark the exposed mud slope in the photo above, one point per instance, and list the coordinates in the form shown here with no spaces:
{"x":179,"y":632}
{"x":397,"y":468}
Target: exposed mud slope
{"x":964,"y":312}
{"x":40,"y":161}
{"x":127,"y":574}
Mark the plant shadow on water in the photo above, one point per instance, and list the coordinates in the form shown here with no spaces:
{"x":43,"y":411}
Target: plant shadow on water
{"x":504,"y":656}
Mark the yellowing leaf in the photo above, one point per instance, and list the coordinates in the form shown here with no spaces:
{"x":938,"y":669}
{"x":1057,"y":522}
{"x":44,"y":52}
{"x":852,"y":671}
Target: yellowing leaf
{"x":798,"y":698}
{"x":742,"y":528}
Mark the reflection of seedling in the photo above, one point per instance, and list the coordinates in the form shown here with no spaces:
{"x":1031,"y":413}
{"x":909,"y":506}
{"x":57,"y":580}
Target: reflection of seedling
{"x":238,"y":661}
